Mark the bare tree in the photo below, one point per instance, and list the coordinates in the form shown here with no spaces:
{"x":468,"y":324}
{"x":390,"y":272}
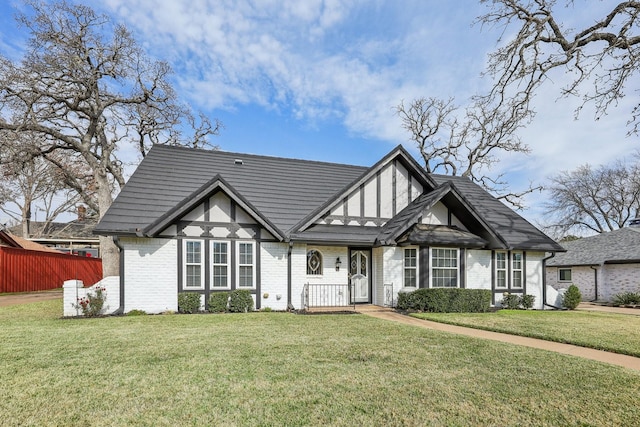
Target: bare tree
{"x":88,"y":90}
{"x":587,"y":199}
{"x":468,"y":145}
{"x":599,"y":60}
{"x":26,"y":180}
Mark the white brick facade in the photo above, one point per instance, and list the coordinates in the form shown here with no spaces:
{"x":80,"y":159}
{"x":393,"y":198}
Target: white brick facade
{"x":273,"y":258}
{"x":151,"y":274}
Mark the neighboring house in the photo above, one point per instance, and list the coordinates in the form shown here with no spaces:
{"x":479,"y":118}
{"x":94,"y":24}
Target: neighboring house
{"x":601,"y":266}
{"x":300,"y":233}
{"x":8,"y":239}
{"x":74,"y":237}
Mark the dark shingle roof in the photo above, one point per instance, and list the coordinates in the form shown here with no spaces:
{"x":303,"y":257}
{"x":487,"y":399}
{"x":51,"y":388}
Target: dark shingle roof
{"x":287,"y":192}
{"x":621,"y":245}
{"x":515,"y":231}
{"x":283,"y":190}
{"x":425,"y":234}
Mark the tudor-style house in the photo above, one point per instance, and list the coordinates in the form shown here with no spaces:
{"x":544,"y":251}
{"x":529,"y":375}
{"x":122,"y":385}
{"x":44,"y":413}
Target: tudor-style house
{"x":300,"y":233}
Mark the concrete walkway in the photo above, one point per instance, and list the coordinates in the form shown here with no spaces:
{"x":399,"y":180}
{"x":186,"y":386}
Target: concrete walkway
{"x":629,"y":362}
{"x":587,"y":306}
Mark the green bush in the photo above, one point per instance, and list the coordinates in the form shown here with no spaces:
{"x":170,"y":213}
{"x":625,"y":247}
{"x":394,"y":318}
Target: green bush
{"x":240,"y":301}
{"x":526,"y":301}
{"x":136,"y":313}
{"x":218,"y":302}
{"x":510,"y":301}
{"x":627,"y":298}
{"x":188,"y":302}
{"x":446,"y":300}
{"x":516,"y":301}
{"x":572,"y":297}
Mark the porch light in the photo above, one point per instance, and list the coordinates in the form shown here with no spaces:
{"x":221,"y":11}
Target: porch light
{"x":338,"y":264}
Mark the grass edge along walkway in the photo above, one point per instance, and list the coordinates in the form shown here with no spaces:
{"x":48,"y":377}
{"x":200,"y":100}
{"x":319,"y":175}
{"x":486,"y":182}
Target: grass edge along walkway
{"x":618,"y":359}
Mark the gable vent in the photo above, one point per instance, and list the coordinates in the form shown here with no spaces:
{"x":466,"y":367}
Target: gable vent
{"x":238,"y":162}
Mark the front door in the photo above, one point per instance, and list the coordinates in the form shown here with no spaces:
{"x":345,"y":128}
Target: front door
{"x":359,"y":272}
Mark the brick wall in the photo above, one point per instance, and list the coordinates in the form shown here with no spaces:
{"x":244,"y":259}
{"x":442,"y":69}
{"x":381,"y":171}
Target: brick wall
{"x":273,"y":272}
{"x":582,"y":277}
{"x":619,"y":278}
{"x":151,"y":274}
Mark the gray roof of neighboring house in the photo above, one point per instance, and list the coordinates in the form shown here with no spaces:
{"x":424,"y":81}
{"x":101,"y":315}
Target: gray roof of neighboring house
{"x":618,"y":246}
{"x":58,"y":230}
{"x":283,"y":190}
{"x":288,"y":192}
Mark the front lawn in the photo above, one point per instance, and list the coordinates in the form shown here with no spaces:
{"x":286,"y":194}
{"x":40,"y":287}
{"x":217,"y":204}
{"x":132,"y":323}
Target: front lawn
{"x":285,"y":369}
{"x":604,"y":331}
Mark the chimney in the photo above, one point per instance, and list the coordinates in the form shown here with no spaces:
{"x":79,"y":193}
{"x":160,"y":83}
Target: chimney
{"x":82,"y":213}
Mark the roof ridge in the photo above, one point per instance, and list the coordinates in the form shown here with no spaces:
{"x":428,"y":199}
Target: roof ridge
{"x":257,"y":156}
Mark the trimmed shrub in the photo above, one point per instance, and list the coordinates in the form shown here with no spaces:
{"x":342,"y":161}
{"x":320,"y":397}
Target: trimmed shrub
{"x":526,"y":301}
{"x":188,"y":302}
{"x":572,"y":297}
{"x":515,"y":301}
{"x":218,"y":302}
{"x":446,"y":300}
{"x":240,"y":301}
{"x":627,"y":298}
{"x":510,"y":301}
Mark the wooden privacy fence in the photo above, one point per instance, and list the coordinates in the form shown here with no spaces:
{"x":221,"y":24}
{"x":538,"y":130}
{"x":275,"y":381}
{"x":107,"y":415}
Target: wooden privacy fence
{"x":24,"y":270}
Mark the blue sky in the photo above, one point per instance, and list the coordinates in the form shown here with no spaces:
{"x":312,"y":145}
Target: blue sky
{"x":319,"y":79}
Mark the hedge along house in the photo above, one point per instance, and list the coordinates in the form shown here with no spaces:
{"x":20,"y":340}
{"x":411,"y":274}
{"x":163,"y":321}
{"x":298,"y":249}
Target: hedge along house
{"x":300,"y":233}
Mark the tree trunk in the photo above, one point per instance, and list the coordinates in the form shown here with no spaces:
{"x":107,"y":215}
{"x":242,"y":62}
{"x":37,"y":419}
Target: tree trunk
{"x":108,"y":250}
{"x":26,"y":219}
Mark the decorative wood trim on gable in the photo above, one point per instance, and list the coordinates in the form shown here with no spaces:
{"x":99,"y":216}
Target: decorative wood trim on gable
{"x":398,"y":156}
{"x":200,"y":196}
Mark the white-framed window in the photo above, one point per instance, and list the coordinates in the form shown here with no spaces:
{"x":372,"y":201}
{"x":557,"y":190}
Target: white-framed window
{"x":516,"y":270}
{"x":220,"y":278}
{"x":193,"y":264}
{"x":564,"y":275}
{"x":410,"y":268}
{"x":501,"y":269}
{"x":314,"y":263}
{"x":444,"y":268}
{"x":246,"y":265}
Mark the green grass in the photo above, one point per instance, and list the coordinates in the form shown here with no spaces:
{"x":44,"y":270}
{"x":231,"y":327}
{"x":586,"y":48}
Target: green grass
{"x":285,"y":369}
{"x":604,"y":331}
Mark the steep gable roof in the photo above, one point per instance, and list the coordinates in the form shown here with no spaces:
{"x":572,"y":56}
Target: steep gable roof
{"x":286,"y":196}
{"x":618,"y":246}
{"x":283,"y":190}
{"x":449,"y":194}
{"x":398,"y":153}
{"x":194,"y":199}
{"x":515,"y":231}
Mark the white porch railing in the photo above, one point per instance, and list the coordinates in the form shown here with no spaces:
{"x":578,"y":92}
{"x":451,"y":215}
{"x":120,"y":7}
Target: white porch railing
{"x":327,"y":295}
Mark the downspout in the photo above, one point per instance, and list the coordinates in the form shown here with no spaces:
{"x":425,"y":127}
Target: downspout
{"x":544,"y":283}
{"x":290,"y":306}
{"x":595,"y":282}
{"x":116,"y":242}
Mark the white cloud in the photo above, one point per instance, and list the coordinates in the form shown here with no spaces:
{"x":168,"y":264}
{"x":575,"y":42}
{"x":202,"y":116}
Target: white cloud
{"x":353,"y":62}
